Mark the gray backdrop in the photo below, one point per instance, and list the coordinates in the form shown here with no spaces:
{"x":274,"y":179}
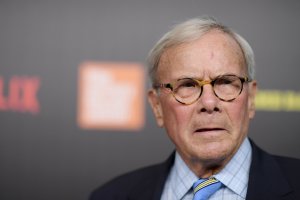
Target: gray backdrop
{"x":47,"y":156}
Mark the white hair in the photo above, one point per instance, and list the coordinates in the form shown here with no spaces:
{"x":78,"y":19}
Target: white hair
{"x":192,"y":30}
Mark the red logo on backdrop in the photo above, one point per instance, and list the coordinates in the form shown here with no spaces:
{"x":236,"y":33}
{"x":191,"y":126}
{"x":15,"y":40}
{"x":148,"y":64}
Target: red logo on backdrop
{"x":21,"y":95}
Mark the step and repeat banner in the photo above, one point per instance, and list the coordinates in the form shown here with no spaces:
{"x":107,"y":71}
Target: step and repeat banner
{"x":73,"y":83}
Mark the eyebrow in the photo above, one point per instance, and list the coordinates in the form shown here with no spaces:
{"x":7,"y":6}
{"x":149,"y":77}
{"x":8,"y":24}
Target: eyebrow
{"x":192,"y":77}
{"x":210,"y":78}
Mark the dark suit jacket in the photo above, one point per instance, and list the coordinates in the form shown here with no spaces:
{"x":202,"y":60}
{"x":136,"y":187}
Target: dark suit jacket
{"x":270,"y":178}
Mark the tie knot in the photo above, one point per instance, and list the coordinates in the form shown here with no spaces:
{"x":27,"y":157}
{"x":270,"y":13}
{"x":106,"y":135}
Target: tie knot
{"x":204,"y":188}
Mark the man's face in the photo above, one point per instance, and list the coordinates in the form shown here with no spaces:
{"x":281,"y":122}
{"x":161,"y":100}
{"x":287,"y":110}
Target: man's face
{"x":209,"y":130}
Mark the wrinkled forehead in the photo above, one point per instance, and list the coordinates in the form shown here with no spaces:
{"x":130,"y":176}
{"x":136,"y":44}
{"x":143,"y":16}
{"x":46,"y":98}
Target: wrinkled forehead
{"x":217,"y":45}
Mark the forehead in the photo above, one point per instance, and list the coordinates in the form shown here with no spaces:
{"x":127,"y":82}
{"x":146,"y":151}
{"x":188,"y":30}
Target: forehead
{"x":212,"y":54}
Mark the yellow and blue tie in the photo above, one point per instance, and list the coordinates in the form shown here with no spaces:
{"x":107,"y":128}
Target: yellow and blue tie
{"x":204,"y":188}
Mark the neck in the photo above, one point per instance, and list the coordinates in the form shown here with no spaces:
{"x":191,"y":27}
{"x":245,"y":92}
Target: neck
{"x":205,"y":168}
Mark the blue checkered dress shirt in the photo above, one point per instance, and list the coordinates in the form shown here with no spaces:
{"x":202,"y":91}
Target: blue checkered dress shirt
{"x":234,"y":177}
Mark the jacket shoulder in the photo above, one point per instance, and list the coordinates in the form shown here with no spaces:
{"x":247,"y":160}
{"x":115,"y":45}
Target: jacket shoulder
{"x":279,"y":174}
{"x":143,"y":181}
{"x":288,"y":162}
{"x":290,"y":168}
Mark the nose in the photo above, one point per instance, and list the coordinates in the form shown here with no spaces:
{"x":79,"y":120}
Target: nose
{"x":208,"y":101}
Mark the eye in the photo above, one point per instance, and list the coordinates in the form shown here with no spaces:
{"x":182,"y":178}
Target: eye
{"x":186,"y":83}
{"x":225,"y":80}
{"x":227,"y":83}
{"x":186,"y":88}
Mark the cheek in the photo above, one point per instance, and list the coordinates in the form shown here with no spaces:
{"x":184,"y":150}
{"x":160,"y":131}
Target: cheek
{"x":239,"y":117}
{"x":238,"y":111}
{"x":176,"y":117}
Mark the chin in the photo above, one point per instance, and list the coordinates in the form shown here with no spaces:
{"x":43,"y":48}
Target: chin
{"x":213,"y":153}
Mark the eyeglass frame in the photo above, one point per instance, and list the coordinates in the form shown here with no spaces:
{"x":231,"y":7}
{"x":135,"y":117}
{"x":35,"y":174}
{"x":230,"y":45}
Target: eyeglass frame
{"x":201,"y":83}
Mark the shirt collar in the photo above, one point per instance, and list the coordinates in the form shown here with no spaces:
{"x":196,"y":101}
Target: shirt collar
{"x":183,"y":177}
{"x":234,"y":176}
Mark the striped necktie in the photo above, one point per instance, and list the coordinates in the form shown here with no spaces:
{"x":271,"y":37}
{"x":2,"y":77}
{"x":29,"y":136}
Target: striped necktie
{"x":204,"y":188}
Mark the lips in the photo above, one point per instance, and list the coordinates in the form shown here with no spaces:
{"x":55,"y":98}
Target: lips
{"x":209,"y":129}
{"x":200,"y":130}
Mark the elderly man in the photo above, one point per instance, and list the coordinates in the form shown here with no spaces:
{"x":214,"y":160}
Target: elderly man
{"x":203,"y":95}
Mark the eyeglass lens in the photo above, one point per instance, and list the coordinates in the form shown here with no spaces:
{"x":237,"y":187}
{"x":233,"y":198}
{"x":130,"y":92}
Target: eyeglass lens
{"x":226,"y":87}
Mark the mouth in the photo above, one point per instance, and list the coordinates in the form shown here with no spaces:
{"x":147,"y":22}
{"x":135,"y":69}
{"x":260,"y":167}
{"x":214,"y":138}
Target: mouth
{"x":209,"y":130}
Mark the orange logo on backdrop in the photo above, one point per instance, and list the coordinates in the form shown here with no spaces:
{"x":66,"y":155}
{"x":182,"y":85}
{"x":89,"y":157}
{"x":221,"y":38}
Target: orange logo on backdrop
{"x":111,"y":96}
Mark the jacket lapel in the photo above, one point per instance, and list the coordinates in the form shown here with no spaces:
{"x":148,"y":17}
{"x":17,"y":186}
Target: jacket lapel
{"x":266,"y":180}
{"x":152,"y":187}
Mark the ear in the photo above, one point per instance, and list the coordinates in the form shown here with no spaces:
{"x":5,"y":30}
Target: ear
{"x":155,"y":104}
{"x":252,"y":94}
